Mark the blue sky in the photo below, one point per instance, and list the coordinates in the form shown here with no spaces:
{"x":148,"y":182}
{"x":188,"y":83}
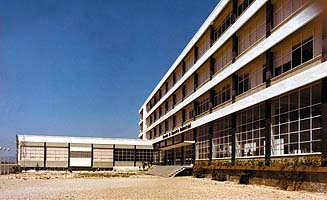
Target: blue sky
{"x":84,"y":67}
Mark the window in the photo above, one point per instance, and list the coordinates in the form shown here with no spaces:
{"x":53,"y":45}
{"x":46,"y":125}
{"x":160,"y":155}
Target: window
{"x":103,"y":155}
{"x":250,"y":76}
{"x":227,"y":22}
{"x":203,"y":45}
{"x":252,"y":31}
{"x":57,"y":154}
{"x":178,"y":156}
{"x":223,"y":57}
{"x":189,"y":60}
{"x":124,"y":155}
{"x":188,"y":154}
{"x":221,"y":139}
{"x":296,"y":117}
{"x":203,"y":75}
{"x":242,"y":6}
{"x":250,"y":126}
{"x":222,"y":95}
{"x":144,"y":155}
{"x":80,"y":154}
{"x":202,"y":142}
{"x":284,"y":8}
{"x":32,"y":153}
{"x":203,"y":106}
{"x":302,"y":47}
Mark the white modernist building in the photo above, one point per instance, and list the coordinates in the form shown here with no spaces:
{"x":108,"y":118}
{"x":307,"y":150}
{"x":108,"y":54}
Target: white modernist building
{"x":61,"y":152}
{"x":251,"y":83}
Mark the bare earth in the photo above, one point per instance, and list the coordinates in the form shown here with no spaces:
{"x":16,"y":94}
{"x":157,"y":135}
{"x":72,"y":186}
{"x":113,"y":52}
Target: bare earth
{"x":70,"y":186}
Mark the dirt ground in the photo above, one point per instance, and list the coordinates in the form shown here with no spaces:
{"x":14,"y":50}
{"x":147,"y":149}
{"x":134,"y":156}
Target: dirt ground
{"x":136,"y":186}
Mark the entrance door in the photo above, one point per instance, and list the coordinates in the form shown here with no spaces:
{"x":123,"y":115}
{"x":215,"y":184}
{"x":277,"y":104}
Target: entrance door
{"x":188,"y":155}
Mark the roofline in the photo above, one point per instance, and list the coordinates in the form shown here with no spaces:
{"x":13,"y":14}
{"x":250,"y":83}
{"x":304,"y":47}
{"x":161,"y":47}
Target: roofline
{"x":67,"y":139}
{"x":220,"y":6}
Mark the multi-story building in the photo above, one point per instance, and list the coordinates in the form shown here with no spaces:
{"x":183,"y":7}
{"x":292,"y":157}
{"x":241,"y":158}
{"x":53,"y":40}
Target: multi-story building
{"x":251,"y":83}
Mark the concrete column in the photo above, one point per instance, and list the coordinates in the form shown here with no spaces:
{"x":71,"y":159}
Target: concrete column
{"x":269,"y":17}
{"x":195,"y":81}
{"x":234,"y":86}
{"x":173,"y":156}
{"x":324,"y":122}
{"x":212,"y":35}
{"x":234,"y":10}
{"x":92,"y":155}
{"x":174,"y":78}
{"x":134,"y":155}
{"x":233,"y":134}
{"x":182,"y":155}
{"x":183,"y":67}
{"x":211,"y":98}
{"x":195,"y":105}
{"x":194,"y":145}
{"x":210,"y":141}
{"x":324,"y":34}
{"x":268,"y":72}
{"x":183,"y":116}
{"x":212,"y":67}
{"x":69,"y":156}
{"x":196,"y":54}
{"x":113,"y":158}
{"x":45,"y":156}
{"x":268,"y":132}
{"x":234,"y":47}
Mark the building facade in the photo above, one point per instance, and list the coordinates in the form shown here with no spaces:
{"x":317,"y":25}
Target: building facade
{"x":60,"y":152}
{"x":251,"y":83}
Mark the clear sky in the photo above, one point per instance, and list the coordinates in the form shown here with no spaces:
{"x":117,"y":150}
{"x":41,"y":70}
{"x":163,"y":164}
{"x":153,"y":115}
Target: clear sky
{"x":84,"y":67}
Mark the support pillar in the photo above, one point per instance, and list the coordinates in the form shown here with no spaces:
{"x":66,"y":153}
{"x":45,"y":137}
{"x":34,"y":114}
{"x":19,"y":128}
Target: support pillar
{"x":324,"y":34}
{"x":195,"y":81}
{"x":69,"y":157}
{"x":183,"y":67}
{"x":183,"y":92}
{"x":134,"y":155}
{"x":195,"y":105}
{"x":172,"y":156}
{"x":234,"y":10}
{"x":196,"y":54}
{"x":211,"y":98}
{"x":268,"y":132}
{"x":234,"y":47}
{"x":324,"y":122}
{"x":212,"y":35}
{"x":92,"y":155}
{"x":269,"y":17}
{"x":45,"y":156}
{"x":194,"y":145}
{"x":233,"y":134}
{"x":210,"y":141}
{"x":182,"y":155}
{"x":268,"y":72}
{"x":212,"y":67}
{"x":234,"y":86}
{"x":113,"y":157}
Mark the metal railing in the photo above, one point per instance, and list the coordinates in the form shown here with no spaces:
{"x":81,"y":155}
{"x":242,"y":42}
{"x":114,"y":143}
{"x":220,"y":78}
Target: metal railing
{"x":6,"y":164}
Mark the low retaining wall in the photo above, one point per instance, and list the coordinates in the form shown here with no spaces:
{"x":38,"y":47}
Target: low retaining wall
{"x":292,"y":174}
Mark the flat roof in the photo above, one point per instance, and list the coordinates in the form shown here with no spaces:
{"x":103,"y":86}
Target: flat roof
{"x":82,"y":140}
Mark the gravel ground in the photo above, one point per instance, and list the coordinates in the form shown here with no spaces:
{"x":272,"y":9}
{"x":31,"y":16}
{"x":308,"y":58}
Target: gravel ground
{"x":74,"y":186}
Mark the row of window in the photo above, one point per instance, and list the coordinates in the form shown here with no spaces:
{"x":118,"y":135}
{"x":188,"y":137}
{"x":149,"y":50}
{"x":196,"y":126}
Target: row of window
{"x":139,"y":155}
{"x":295,"y":128}
{"x":203,"y":46}
{"x":305,"y":45}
